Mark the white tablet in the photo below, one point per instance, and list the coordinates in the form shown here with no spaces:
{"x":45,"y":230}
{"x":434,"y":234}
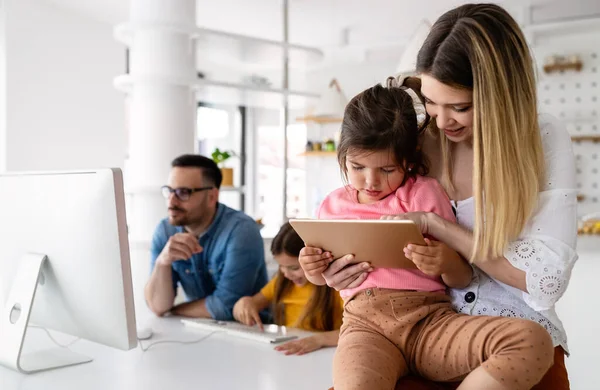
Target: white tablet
{"x":380,"y":242}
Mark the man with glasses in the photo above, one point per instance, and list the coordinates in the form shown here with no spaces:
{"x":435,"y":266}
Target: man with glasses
{"x":214,"y":252}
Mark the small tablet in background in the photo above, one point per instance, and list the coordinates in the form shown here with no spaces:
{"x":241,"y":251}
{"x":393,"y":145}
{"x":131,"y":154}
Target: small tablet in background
{"x":379,"y":242}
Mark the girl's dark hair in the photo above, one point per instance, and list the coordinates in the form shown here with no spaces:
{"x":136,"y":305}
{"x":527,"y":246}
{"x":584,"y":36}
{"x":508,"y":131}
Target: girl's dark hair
{"x":320,"y":311}
{"x":384,"y":118}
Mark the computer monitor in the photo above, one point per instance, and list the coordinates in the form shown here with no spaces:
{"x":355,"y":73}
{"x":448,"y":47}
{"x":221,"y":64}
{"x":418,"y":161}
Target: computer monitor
{"x":64,"y":264}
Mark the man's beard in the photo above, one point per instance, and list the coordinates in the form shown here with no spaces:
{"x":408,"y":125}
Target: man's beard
{"x":183,"y":218}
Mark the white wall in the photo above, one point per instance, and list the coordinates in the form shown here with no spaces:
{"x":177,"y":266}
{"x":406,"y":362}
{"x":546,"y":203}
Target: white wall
{"x":2,"y":88}
{"x":62,"y":109}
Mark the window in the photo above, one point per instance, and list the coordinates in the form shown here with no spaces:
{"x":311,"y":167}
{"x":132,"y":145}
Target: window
{"x":269,"y":183}
{"x":221,"y":127}
{"x":261,"y":196}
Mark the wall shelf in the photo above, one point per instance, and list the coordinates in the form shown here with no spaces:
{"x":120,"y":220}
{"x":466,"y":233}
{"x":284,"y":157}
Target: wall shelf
{"x":231,"y":189}
{"x":220,"y":92}
{"x":317,"y":153}
{"x":561,"y":28}
{"x":232,"y":50}
{"x":238,"y":53}
{"x":319,"y":120}
{"x":585,"y":138}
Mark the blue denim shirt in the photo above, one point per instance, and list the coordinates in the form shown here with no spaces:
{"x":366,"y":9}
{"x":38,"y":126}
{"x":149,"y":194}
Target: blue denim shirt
{"x":232,"y":264}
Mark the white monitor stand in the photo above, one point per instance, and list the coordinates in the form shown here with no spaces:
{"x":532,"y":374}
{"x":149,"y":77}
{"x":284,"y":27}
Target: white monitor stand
{"x":15,"y":320}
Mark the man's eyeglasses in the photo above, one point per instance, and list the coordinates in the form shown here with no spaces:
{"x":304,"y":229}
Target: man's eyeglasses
{"x":182,"y":193}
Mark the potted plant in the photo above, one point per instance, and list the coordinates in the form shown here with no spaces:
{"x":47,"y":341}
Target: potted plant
{"x":220,"y":156}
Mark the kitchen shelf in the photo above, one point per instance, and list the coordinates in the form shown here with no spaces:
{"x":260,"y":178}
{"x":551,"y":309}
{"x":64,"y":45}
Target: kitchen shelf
{"x":220,"y":92}
{"x":319,"y":120}
{"x":239,"y":53}
{"x":562,"y":28}
{"x":232,"y":50}
{"x":231,"y":189}
{"x":316,"y":153}
{"x":585,"y":138}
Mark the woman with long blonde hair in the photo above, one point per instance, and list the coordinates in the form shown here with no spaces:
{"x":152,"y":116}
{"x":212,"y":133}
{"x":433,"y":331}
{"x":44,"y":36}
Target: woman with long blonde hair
{"x":509,"y":172}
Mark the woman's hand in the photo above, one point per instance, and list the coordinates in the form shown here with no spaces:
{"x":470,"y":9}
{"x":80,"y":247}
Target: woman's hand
{"x":302,"y":346}
{"x":341,"y":275}
{"x":421,"y":218}
{"x":245,"y":311}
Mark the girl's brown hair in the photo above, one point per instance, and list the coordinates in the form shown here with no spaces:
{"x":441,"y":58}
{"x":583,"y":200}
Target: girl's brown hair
{"x":384,"y":118}
{"x":480,"y":47}
{"x":320,"y":310}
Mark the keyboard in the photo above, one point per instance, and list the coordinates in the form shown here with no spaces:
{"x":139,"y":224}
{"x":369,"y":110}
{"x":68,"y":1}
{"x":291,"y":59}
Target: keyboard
{"x":272,"y":333}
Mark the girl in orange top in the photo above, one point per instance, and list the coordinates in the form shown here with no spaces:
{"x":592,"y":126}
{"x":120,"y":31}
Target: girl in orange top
{"x":295,"y":301}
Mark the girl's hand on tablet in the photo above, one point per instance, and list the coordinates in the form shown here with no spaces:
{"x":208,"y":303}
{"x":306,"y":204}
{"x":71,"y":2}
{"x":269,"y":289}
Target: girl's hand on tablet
{"x":341,"y":275}
{"x":438,"y":259}
{"x":421,"y":218}
{"x":433,"y":259}
{"x":314,"y":261}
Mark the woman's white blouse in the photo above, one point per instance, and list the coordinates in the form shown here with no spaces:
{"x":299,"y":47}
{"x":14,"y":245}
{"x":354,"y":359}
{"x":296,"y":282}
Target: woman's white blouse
{"x":545,"y":250}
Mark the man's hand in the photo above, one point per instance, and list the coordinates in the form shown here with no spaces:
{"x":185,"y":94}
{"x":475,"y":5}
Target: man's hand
{"x":181,"y":246}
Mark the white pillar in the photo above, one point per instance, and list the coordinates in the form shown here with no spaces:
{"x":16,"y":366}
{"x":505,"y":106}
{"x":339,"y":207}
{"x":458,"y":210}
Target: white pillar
{"x":162,"y":113}
{"x":3,"y":88}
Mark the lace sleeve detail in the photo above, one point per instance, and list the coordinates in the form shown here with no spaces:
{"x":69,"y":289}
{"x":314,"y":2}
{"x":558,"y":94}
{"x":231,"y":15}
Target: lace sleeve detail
{"x":545,"y":249}
{"x":547,"y":263}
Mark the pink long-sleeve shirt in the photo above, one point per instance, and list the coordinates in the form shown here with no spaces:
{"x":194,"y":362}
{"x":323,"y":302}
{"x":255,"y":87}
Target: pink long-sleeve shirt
{"x":417,"y":194}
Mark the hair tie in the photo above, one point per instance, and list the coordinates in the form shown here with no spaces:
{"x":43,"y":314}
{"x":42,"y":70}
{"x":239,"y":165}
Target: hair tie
{"x":398,"y":82}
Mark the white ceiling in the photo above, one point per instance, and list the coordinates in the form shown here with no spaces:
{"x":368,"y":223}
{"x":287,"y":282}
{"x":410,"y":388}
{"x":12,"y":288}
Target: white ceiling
{"x":312,"y":22}
{"x":367,"y":30}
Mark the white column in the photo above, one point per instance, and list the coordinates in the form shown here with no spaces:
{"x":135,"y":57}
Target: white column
{"x":162,"y":107}
{"x":162,"y":112}
{"x":3,"y":88}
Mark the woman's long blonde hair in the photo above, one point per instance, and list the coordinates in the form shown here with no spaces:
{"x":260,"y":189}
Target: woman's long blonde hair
{"x":480,"y":47}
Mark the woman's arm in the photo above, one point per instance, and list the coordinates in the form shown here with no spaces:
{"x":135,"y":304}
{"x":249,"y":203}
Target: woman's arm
{"x":461,"y":240}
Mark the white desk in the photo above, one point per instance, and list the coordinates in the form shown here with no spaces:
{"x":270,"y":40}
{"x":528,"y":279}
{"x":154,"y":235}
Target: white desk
{"x":218,"y":362}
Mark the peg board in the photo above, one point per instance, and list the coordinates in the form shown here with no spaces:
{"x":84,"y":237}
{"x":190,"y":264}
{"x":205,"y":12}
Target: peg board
{"x":574,"y":97}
